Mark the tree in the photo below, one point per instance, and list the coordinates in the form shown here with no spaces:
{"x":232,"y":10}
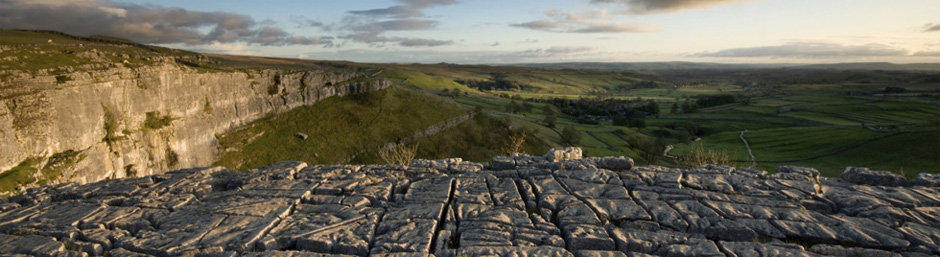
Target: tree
{"x":675,"y":108}
{"x":549,"y":118}
{"x":526,"y":106}
{"x":516,"y":142}
{"x":637,"y":123}
{"x":478,"y":109}
{"x":689,"y":106}
{"x":652,"y":149}
{"x":651,"y":107}
{"x":513,"y":107}
{"x":570,"y":136}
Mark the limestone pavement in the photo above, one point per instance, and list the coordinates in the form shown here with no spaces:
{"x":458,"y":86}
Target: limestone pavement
{"x":559,"y":204}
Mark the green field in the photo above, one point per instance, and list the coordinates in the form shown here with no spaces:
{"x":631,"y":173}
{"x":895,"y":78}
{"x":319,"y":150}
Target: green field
{"x":823,"y":125}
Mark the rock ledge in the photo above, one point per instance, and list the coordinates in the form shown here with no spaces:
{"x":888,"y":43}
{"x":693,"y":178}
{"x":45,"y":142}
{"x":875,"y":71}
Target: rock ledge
{"x":560,"y":204}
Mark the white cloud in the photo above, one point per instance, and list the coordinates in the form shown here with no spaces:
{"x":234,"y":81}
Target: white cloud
{"x":659,"y":6}
{"x":810,"y":50}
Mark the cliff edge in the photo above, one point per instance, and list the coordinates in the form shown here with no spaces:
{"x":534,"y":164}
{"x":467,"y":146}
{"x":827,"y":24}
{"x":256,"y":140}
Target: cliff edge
{"x":127,"y":121}
{"x":559,"y":204}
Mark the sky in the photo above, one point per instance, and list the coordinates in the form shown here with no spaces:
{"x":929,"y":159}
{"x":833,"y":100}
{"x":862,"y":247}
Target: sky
{"x":510,"y":31}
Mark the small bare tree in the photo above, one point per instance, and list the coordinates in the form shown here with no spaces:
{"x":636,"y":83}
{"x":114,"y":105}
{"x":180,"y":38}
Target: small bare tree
{"x":516,"y":142}
{"x":700,"y":156}
{"x":400,"y":154}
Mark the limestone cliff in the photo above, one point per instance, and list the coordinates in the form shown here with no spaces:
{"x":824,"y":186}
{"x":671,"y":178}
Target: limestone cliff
{"x":122,"y":121}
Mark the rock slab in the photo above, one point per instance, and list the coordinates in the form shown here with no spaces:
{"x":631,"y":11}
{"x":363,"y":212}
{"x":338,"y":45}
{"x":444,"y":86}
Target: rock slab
{"x":559,"y":204}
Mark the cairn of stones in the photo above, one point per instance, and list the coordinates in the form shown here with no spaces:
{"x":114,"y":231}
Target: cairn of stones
{"x":559,"y":204}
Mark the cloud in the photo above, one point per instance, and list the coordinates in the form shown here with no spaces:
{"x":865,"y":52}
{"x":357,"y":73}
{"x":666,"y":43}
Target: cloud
{"x":422,"y":42}
{"x":404,"y":24}
{"x":145,"y":24}
{"x":927,"y":54}
{"x":810,"y":50}
{"x":556,"y":52}
{"x":660,"y":6}
{"x":930,"y":27}
{"x":569,"y":22}
{"x":377,"y":40}
{"x":304,"y":22}
{"x":369,"y":26}
{"x":409,"y":9}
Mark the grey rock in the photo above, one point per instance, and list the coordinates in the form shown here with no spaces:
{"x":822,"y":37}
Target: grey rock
{"x":514,"y":251}
{"x":618,"y":210}
{"x":30,"y":245}
{"x":693,"y":247}
{"x":864,"y":176}
{"x":928,"y":237}
{"x":404,"y":236}
{"x":596,"y":253}
{"x":837,"y":250}
{"x":806,"y":173}
{"x":928,"y":179}
{"x":125,"y":252}
{"x":564,"y":154}
{"x":615,"y":163}
{"x":731,"y":231}
{"x":449,"y":207}
{"x":665,"y":215}
{"x":587,"y":237}
{"x":742,"y":249}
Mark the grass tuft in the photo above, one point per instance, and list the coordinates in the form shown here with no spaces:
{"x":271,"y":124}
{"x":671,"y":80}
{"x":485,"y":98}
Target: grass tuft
{"x":400,"y":154}
{"x":155,"y":120}
{"x":23,"y":174}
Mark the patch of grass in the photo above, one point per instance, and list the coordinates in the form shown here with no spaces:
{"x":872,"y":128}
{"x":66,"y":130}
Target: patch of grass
{"x":62,"y":79}
{"x":342,"y":129}
{"x":33,"y":51}
{"x":11,"y":180}
{"x":400,"y":154}
{"x":207,"y":107}
{"x":110,"y":127}
{"x":478,"y":139}
{"x":172,"y":158}
{"x":700,"y":155}
{"x":58,"y":162}
{"x":914,"y":153}
{"x":155,"y":120}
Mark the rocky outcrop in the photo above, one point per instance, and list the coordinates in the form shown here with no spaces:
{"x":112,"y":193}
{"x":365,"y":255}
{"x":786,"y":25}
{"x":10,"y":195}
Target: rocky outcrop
{"x":559,"y":204}
{"x":126,"y":122}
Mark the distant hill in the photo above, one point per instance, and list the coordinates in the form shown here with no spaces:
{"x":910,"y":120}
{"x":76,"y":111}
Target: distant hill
{"x":658,"y":66}
{"x":875,"y":66}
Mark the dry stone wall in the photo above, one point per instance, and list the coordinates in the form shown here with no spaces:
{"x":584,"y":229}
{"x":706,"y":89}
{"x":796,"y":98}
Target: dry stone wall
{"x":559,"y":204}
{"x":102,"y":116}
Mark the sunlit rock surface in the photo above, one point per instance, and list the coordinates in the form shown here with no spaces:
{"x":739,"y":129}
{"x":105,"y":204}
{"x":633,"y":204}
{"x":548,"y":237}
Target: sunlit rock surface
{"x":559,"y":204}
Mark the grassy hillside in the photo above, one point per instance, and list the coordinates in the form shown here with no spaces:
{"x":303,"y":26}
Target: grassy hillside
{"x":347,"y":129}
{"x":478,"y":139}
{"x":31,"y":51}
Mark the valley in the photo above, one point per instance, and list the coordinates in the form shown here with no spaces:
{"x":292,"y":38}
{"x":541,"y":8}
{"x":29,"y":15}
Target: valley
{"x":141,"y":110}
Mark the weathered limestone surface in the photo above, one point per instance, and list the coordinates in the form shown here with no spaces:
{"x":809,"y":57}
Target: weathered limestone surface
{"x":555,"y":205}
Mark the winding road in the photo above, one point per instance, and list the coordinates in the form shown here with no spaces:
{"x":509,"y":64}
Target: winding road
{"x":749,"y":152}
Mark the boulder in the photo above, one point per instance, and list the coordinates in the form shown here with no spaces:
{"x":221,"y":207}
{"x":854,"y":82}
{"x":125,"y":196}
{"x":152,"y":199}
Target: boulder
{"x":865,"y":176}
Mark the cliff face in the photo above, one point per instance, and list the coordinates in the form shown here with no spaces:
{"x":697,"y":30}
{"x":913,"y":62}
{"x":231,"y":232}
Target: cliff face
{"x":124,"y":122}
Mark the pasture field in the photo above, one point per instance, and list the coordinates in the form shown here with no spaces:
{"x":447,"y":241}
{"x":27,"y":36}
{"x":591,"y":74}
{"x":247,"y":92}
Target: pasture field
{"x":823,"y":125}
